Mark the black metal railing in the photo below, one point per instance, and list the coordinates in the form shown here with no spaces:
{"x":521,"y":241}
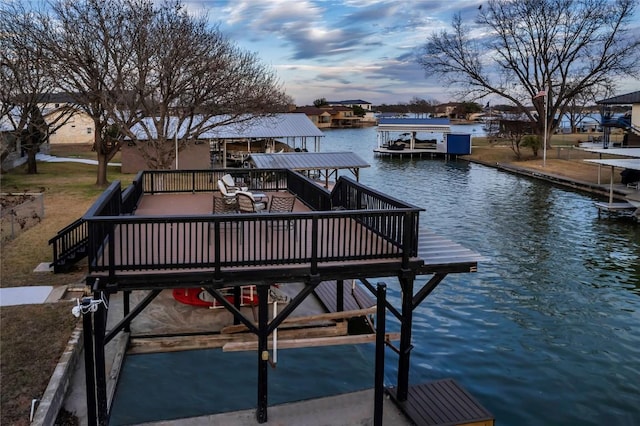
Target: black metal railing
{"x":176,"y":181}
{"x":132,"y":194}
{"x":352,"y":222}
{"x":69,"y":245}
{"x":137,"y":243}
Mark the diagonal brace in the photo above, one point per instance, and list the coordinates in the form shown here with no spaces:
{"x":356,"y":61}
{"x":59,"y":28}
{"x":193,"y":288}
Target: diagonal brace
{"x":126,"y":321}
{"x":229,"y":306}
{"x":427,"y":289}
{"x":284,"y":313}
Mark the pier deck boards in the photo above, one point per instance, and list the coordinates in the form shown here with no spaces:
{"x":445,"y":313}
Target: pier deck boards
{"x":355,"y":298}
{"x":440,"y":403}
{"x":615,"y":206}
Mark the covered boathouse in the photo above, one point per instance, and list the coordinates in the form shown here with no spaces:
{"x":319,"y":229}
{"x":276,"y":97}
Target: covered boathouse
{"x":415,"y":137}
{"x":161,"y":233}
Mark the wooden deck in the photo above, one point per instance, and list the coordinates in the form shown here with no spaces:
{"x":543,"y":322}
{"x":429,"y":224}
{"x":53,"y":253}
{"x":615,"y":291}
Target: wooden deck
{"x":441,"y":403}
{"x":624,"y":208}
{"x":179,"y":246}
{"x":438,"y":253}
{"x":354,"y":297}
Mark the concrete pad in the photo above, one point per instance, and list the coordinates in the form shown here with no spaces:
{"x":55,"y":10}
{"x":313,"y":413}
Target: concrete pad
{"x":44,"y":267}
{"x":56,"y":294}
{"x":12,"y":296}
{"x":349,"y":409}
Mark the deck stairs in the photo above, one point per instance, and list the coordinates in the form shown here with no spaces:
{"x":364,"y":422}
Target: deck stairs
{"x":69,"y":246}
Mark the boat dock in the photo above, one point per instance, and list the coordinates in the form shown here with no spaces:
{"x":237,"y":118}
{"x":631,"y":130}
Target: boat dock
{"x":630,"y":161}
{"x":160,"y":235}
{"x":418,"y":137}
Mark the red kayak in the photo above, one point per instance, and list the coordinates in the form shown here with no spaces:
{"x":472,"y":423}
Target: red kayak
{"x":200,"y":297}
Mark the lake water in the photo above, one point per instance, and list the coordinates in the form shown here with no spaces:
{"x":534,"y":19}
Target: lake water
{"x":547,"y":332}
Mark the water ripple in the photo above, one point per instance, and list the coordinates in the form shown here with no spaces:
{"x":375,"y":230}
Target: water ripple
{"x":547,"y":332}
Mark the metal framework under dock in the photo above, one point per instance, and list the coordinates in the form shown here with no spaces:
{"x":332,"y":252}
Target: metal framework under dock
{"x":349,"y":233}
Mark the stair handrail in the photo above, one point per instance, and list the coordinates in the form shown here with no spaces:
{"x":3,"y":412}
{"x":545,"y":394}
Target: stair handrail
{"x":69,"y":242}
{"x":635,"y":129}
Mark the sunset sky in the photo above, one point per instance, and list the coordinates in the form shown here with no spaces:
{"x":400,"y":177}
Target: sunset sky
{"x":348,"y":49}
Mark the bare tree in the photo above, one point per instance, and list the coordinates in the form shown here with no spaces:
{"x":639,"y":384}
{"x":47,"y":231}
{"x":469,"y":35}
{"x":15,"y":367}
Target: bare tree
{"x":422,"y":107}
{"x":523,"y":47}
{"x":151,"y":72}
{"x":86,"y":46}
{"x":191,"y":78}
{"x":578,"y":107}
{"x":26,"y":82}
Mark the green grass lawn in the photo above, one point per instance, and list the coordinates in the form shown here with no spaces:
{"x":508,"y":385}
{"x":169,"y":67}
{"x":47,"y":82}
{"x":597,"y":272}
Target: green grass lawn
{"x":33,"y":337}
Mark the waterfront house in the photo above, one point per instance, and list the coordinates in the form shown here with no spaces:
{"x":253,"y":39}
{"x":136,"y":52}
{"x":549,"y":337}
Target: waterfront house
{"x":321,"y":117}
{"x":350,"y":103}
{"x":629,"y":123}
{"x":335,"y":117}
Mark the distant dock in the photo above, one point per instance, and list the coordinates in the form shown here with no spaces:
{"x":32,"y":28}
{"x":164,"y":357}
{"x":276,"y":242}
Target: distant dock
{"x":399,"y":137}
{"x":412,"y":153}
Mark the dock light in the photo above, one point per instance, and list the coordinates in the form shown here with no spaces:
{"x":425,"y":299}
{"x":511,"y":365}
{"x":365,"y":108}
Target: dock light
{"x":265,"y":355}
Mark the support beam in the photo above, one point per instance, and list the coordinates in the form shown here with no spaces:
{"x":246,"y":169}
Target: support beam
{"x":99,"y":330}
{"x":237,"y":300}
{"x":263,"y":352}
{"x":89,"y":370}
{"x":373,"y":291}
{"x":231,"y":307}
{"x":126,"y":308}
{"x":340,"y":295}
{"x":292,"y":305}
{"x":427,"y":289}
{"x":380,"y":344}
{"x":125,"y":323}
{"x":405,"y":337}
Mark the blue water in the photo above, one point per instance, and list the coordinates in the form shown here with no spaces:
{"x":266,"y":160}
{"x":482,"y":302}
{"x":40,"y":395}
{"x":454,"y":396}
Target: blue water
{"x":547,"y":332}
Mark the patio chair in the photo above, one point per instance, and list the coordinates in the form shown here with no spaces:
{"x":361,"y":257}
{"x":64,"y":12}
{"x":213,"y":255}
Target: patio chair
{"x":248,"y":204}
{"x":230,"y":196}
{"x":230,"y":183}
{"x":282,"y":203}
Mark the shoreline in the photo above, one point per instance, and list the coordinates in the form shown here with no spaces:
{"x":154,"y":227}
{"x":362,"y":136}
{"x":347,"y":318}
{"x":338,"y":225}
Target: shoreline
{"x":540,"y":173}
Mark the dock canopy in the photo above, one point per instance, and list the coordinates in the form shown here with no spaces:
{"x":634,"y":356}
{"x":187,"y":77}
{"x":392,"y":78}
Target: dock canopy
{"x":621,"y":163}
{"x":441,"y":125}
{"x":311,"y":161}
{"x":271,"y":126}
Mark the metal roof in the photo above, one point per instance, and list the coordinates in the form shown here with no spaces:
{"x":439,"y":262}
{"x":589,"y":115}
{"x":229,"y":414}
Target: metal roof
{"x":286,"y":125}
{"x":623,"y":163}
{"x":308,"y":160}
{"x":629,"y":98}
{"x":414,"y":125}
{"x":623,"y":152}
{"x":274,"y":126}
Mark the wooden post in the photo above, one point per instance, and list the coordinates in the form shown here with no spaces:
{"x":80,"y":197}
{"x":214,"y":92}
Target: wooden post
{"x":381,"y":298}
{"x":263,"y":352}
